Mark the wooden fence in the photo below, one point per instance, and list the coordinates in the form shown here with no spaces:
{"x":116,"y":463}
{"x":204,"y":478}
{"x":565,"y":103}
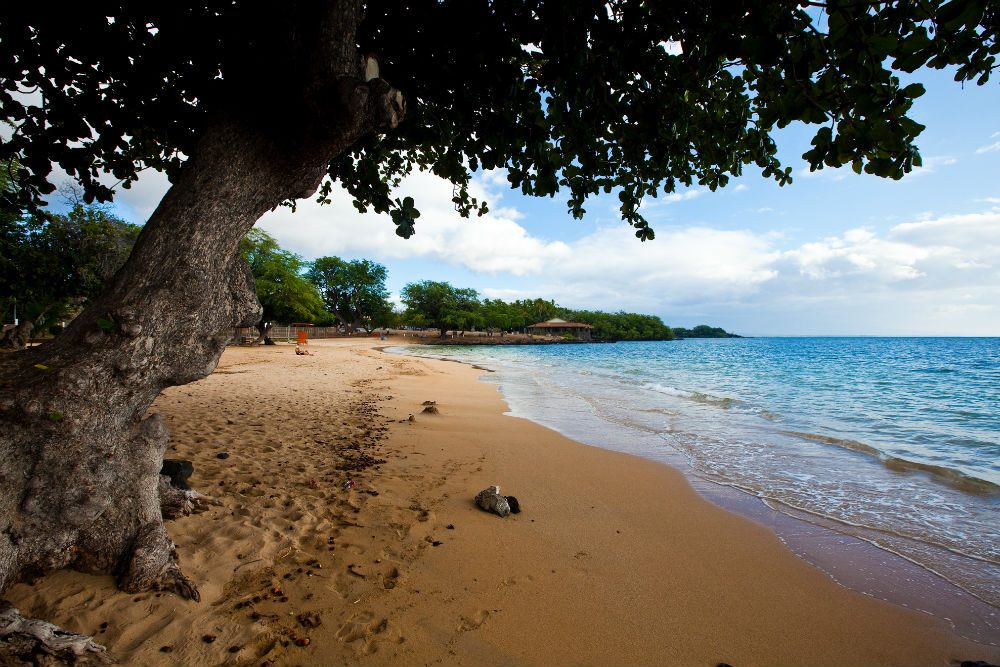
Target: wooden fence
{"x":246,"y":335}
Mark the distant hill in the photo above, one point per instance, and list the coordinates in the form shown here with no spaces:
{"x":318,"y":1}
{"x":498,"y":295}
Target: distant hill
{"x":703,"y":331}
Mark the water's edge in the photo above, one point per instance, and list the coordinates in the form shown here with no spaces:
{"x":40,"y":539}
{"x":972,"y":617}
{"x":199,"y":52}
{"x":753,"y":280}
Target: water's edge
{"x":851,"y":561}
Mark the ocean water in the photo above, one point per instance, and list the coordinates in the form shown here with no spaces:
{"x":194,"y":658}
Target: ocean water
{"x":895,"y":441}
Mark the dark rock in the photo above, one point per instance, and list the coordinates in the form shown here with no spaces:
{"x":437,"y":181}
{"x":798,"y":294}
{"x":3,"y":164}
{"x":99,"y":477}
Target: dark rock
{"x":222,"y":455}
{"x":976,"y":663}
{"x":179,"y":471}
{"x":515,"y":507}
{"x":490,"y":500}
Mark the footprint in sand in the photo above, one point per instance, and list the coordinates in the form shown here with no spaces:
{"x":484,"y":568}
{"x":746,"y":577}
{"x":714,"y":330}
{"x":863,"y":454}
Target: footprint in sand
{"x":474,"y":621}
{"x":390,"y":579}
{"x":363,"y":627}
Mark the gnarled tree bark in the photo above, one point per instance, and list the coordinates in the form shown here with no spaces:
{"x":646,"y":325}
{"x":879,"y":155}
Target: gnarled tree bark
{"x":80,"y":483}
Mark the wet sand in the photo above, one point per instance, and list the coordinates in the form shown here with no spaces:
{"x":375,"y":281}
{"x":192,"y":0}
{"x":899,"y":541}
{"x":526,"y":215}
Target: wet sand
{"x":614,"y":560}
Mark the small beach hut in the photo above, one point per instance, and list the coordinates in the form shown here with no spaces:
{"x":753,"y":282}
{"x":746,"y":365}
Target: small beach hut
{"x":558,"y":327}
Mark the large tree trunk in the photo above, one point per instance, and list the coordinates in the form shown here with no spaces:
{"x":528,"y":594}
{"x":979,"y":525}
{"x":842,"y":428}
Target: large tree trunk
{"x":263,"y":333}
{"x":81,"y":459}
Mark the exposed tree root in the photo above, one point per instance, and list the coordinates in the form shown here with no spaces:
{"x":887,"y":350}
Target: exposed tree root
{"x":176,"y":502}
{"x":154,"y":566}
{"x":27,"y":641}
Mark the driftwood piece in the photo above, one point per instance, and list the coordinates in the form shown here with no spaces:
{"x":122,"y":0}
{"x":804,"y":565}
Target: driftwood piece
{"x":32,"y":642}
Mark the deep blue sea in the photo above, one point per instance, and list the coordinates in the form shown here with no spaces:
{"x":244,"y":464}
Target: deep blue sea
{"x":892,"y":440}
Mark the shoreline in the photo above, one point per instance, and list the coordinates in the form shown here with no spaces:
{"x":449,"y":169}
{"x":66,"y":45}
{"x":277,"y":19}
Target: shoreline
{"x":832,"y":545}
{"x":616,"y":557}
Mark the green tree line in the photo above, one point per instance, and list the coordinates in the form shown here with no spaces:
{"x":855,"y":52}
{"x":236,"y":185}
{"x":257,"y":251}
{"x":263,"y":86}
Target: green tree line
{"x":52,"y":264}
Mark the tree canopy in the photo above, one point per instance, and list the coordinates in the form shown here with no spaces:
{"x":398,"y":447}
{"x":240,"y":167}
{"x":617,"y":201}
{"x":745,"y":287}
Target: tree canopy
{"x":53,"y":263}
{"x":441,"y":306}
{"x":622,"y":325}
{"x":703,"y":331}
{"x":629,"y":96}
{"x":284,"y":294}
{"x":353,"y":291}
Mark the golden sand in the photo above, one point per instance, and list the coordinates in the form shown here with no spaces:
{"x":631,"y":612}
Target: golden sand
{"x":614,"y":560}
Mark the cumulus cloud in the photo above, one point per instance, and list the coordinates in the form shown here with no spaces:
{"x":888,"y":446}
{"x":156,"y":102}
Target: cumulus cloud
{"x":933,"y":268}
{"x":674,"y":197}
{"x":936,"y":273}
{"x":828,"y":173}
{"x":491,"y":243}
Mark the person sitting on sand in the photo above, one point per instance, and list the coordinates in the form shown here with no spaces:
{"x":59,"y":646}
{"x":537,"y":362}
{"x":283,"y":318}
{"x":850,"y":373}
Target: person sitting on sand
{"x":299,"y":350}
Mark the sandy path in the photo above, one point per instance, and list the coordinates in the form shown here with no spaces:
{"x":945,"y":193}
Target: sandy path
{"x":614,"y":561}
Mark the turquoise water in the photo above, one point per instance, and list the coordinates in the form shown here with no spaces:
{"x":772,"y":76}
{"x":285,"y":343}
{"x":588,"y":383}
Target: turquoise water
{"x":892,"y":440}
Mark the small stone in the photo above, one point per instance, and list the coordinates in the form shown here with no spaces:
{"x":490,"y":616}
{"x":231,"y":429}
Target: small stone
{"x":235,"y":649}
{"x":450,"y":526}
{"x":166,"y":649}
{"x":302,"y":641}
{"x":222,"y":455}
{"x":436,"y":543}
{"x":179,"y":471}
{"x":208,"y":639}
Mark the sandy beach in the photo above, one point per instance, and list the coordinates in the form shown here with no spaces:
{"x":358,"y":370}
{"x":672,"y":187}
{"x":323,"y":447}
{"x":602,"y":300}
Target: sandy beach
{"x":614,"y":560}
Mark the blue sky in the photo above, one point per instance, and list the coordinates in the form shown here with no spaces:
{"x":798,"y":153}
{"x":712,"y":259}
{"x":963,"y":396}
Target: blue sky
{"x":833,"y":253}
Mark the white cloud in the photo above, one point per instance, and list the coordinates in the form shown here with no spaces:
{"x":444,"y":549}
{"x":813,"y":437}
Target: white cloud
{"x":139,"y":201}
{"x":490,"y":244}
{"x":989,"y":148}
{"x":675,"y":197}
{"x":934,"y":273}
{"x":931,"y":164}
{"x":741,"y":187}
{"x":673,"y":48}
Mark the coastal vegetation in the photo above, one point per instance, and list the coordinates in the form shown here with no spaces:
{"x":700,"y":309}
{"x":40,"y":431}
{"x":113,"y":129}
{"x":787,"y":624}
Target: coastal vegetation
{"x":52,"y":265}
{"x":443,"y":307}
{"x":703,"y":331}
{"x":248,"y":106}
{"x":284,"y":294}
{"x":353,"y":292}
